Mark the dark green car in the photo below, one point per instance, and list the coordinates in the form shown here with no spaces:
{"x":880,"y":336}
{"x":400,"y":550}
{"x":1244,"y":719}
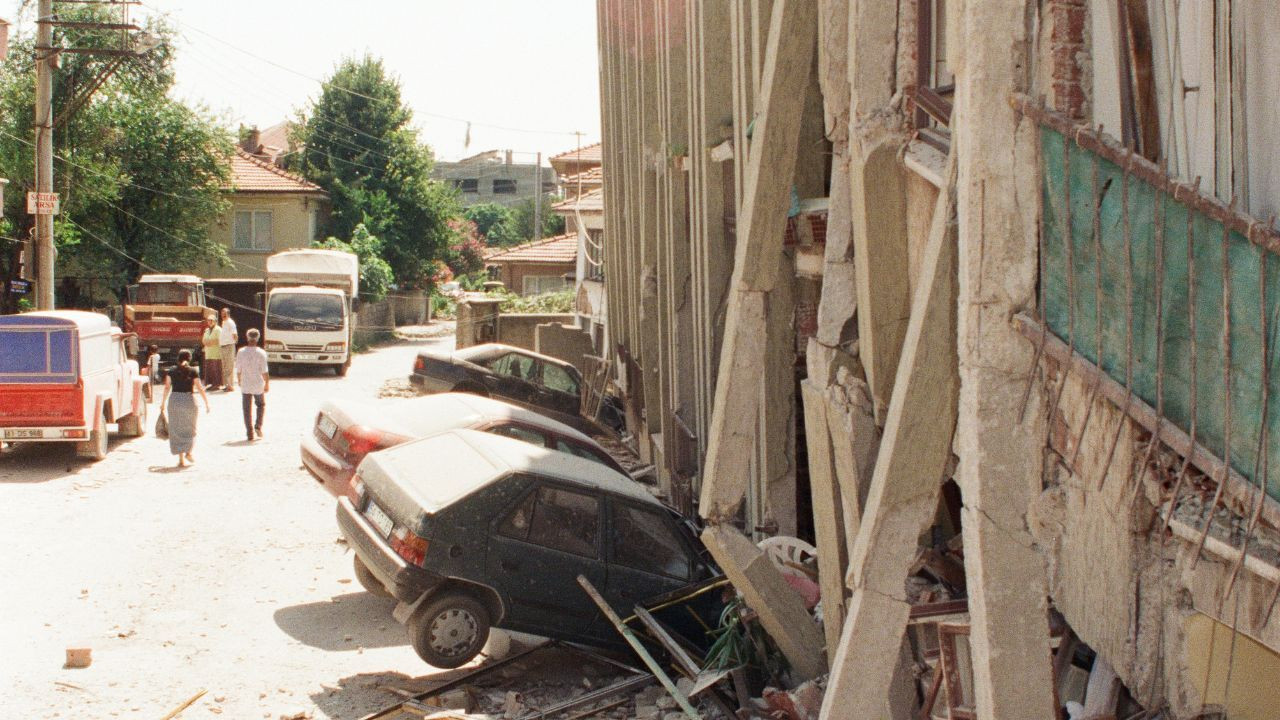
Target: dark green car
{"x":470,"y":530}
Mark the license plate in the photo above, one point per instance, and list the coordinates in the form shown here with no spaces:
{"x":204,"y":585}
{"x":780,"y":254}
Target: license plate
{"x":300,"y":356}
{"x":379,"y":518}
{"x":23,"y":434}
{"x":326,"y":426}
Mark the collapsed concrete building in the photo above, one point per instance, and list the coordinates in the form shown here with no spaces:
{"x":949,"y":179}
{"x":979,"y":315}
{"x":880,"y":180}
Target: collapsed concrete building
{"x":978,"y":290}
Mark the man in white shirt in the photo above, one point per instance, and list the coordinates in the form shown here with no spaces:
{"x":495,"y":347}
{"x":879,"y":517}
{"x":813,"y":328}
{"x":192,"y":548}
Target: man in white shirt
{"x":251,"y":369}
{"x":228,"y":348}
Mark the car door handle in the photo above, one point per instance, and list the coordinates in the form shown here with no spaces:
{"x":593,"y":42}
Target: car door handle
{"x":509,"y":565}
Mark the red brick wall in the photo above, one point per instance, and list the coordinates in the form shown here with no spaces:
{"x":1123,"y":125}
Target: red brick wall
{"x":1069,"y":56}
{"x":512,"y":274}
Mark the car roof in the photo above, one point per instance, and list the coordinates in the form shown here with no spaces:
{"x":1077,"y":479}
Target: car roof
{"x":464,"y":461}
{"x":498,"y":348}
{"x":430,"y":414}
{"x":87,"y":322}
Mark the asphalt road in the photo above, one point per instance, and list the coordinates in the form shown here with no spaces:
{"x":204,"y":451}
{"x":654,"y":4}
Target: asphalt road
{"x":226,"y":576}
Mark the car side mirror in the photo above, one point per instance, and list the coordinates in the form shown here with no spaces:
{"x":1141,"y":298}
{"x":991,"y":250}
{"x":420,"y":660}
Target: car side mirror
{"x":257,"y":298}
{"x":131,"y":344}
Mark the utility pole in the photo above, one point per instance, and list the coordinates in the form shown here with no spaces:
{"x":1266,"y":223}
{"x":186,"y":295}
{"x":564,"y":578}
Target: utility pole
{"x":46,"y":62}
{"x":45,"y":58}
{"x":537,"y":198}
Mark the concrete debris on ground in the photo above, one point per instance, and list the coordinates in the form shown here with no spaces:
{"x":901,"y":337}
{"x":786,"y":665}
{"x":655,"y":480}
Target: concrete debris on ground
{"x":79,"y":657}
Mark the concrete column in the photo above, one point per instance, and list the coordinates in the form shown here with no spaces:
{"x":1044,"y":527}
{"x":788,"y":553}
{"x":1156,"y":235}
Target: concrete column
{"x":999,"y":447}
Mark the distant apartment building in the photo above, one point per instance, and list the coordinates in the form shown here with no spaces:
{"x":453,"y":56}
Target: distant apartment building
{"x":493,"y":176}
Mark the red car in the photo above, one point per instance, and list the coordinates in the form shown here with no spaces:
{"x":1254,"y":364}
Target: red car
{"x":345,"y":432}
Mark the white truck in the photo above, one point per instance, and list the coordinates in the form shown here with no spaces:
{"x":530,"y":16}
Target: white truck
{"x":310,"y":308}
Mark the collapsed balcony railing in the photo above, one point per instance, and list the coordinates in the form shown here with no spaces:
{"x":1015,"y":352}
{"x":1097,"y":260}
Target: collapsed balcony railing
{"x":1161,"y":298}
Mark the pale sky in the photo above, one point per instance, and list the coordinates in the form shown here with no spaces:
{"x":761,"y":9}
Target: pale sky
{"x":528,"y":67}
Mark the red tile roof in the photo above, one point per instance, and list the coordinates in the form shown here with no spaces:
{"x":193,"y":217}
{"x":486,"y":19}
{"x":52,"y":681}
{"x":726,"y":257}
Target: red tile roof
{"x":594,"y":176}
{"x":588,"y":154}
{"x":588,"y":202}
{"x":558,"y":249}
{"x":249,"y":174}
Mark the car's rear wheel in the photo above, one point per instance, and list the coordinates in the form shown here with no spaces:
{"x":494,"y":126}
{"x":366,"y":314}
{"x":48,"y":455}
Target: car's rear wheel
{"x":95,"y":448}
{"x":450,"y":630}
{"x":367,"y":579}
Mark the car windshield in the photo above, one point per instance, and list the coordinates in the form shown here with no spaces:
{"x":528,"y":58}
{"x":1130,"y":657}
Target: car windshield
{"x":305,"y":311}
{"x":164,"y":293}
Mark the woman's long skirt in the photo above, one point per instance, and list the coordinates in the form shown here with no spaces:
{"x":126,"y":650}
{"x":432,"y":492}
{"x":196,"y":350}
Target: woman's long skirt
{"x":211,"y":373}
{"x":182,"y":422}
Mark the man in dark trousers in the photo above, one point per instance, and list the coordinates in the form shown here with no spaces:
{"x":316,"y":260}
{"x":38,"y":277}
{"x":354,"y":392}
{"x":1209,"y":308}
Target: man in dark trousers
{"x":254,"y":382}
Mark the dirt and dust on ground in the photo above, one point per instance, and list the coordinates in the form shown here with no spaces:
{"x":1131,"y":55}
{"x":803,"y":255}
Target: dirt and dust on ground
{"x":226,"y":581}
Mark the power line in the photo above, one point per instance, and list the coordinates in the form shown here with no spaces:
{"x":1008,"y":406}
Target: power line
{"x":350,"y":91}
{"x":216,"y":67}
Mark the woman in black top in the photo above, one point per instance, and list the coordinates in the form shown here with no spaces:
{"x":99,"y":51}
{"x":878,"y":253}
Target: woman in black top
{"x":179,"y":383}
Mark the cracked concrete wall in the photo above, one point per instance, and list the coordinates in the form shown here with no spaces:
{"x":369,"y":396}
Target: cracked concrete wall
{"x":999,"y":448}
{"x":1126,"y":589}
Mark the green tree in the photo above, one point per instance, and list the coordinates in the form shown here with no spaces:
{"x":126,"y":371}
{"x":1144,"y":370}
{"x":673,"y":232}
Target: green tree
{"x":523,"y":217}
{"x":358,"y":145}
{"x":375,"y":273}
{"x":495,"y":223}
{"x":141,"y":175}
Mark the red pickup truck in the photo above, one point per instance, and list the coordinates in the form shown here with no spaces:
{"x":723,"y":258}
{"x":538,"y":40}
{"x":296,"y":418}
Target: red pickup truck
{"x":66,"y":376}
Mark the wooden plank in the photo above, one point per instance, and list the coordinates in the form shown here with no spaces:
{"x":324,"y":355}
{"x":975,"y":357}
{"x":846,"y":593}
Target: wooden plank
{"x":779,"y":607}
{"x":757,"y":259}
{"x":905,"y":487}
{"x":882,"y":267}
{"x":828,"y":518}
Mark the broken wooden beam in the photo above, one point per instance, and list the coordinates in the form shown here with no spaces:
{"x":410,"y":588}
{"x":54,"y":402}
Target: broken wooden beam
{"x":881,"y":268}
{"x":757,"y":259}
{"x":828,"y":520}
{"x":913,"y":457}
{"x":779,"y":607}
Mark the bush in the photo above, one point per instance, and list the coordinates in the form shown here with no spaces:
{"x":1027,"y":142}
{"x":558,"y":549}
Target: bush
{"x":560,"y":301}
{"x":444,"y":307}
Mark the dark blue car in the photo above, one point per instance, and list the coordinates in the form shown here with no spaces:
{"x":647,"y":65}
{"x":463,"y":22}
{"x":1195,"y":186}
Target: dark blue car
{"x":470,"y":530}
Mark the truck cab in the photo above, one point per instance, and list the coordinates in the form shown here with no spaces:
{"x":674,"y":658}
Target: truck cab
{"x":66,"y":376}
{"x":167,"y":311}
{"x":310,"y":308}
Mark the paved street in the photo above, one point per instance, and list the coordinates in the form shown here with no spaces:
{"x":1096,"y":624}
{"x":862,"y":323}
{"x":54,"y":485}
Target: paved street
{"x":225,"y":576}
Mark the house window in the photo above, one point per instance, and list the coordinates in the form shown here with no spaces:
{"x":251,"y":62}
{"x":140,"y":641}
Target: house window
{"x":467,"y":185}
{"x":504,"y":187}
{"x":539,"y":284}
{"x":252,"y":230}
{"x":594,"y":247}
